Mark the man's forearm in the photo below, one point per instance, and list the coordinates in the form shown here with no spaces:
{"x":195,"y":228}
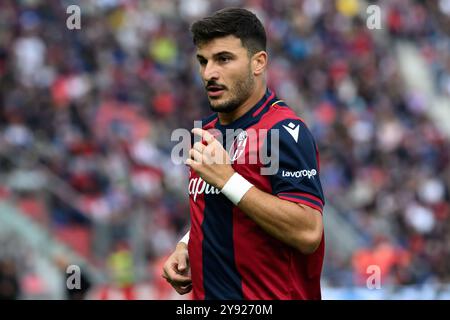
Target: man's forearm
{"x":294,"y":224}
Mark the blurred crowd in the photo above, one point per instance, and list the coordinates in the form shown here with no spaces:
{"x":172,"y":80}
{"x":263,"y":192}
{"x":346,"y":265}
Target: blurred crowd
{"x":94,"y":109}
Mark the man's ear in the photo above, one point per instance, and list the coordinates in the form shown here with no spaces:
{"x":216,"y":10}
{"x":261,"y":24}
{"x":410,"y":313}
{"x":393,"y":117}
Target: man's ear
{"x":259,"y":62}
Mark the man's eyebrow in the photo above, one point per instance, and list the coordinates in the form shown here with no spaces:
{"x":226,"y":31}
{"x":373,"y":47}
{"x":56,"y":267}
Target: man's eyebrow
{"x":223,"y":53}
{"x":218,"y":54}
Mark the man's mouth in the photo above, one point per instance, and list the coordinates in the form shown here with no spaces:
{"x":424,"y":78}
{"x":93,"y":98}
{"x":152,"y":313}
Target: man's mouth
{"x":215,"y":91}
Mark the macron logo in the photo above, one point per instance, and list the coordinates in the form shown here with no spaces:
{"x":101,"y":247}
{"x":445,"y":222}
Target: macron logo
{"x":293,"y":130}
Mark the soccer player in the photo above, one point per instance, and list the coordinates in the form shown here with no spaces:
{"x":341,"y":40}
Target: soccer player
{"x":252,"y":235}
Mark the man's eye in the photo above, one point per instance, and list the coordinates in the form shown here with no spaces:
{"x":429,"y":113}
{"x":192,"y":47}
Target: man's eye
{"x":224,"y":59}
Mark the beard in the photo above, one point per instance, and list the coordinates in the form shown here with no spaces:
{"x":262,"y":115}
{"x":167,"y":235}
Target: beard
{"x":240,"y":92}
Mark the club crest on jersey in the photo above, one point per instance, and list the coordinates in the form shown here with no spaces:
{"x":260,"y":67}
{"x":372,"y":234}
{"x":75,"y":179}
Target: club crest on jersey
{"x":238,"y":146}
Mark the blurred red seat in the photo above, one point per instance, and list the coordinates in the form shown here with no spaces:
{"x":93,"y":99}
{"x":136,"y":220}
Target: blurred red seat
{"x":76,"y":237}
{"x":4,"y":192}
{"x":34,"y":208}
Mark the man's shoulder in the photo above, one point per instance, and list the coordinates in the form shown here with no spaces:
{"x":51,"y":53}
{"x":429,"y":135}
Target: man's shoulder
{"x":280,"y":113}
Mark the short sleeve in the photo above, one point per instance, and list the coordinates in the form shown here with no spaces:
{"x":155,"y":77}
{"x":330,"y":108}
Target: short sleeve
{"x":297,"y":178}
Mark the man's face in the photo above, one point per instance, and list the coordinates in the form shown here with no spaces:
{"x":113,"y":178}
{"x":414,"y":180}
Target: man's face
{"x":226,"y":72}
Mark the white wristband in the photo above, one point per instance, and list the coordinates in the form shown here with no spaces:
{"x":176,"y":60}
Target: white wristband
{"x":236,"y":187}
{"x":185,"y":239}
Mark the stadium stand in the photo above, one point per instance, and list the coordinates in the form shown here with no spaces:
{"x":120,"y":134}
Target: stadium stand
{"x":86,"y":117}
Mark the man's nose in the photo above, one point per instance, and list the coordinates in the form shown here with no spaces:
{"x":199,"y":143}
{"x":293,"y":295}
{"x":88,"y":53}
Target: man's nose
{"x":210,"y":72}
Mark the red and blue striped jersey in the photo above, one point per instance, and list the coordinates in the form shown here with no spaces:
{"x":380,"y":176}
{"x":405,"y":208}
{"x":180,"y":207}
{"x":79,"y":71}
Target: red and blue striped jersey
{"x":231,"y":257}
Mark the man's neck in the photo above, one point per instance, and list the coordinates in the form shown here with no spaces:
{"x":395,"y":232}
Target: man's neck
{"x":227,"y":118}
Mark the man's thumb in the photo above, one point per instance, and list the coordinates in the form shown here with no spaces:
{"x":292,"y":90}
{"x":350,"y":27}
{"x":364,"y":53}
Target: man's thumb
{"x":182,"y":265}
